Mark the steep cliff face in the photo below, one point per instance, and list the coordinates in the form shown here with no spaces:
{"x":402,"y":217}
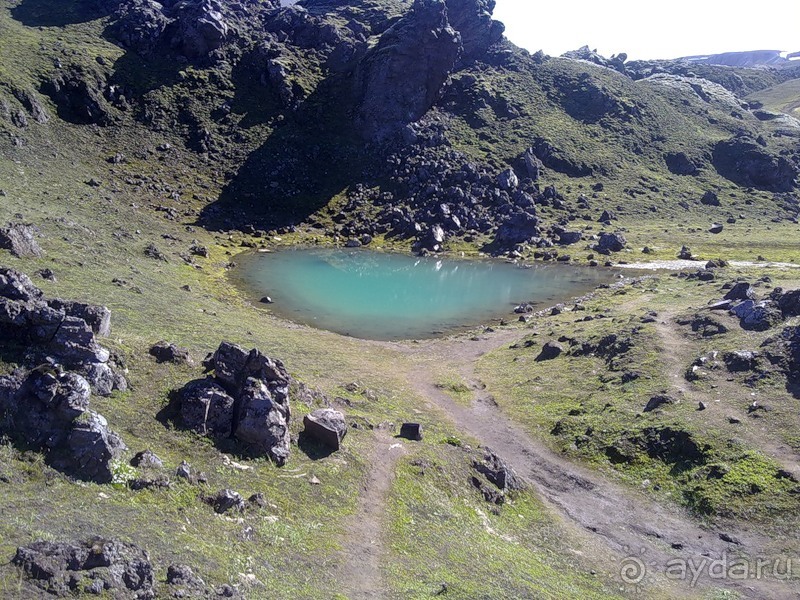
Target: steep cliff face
{"x":473,"y":20}
{"x":401,"y":77}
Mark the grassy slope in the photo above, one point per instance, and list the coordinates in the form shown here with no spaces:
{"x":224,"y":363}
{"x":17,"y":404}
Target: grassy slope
{"x":582,"y":407}
{"x":93,"y":235}
{"x":784,"y":97}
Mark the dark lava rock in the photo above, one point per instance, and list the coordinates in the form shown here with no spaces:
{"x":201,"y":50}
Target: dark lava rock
{"x":757,"y":316}
{"x":167,"y":352}
{"x":746,"y":163}
{"x":741,"y":360}
{"x":789,"y":303}
{"x":151,"y":251}
{"x":673,"y":446}
{"x":247,"y":398}
{"x":741,"y":291}
{"x":225,"y":500}
{"x":79,"y":94}
{"x":517,"y":227}
{"x":327,"y":426}
{"x":400,"y":78}
{"x":680,"y":164}
{"x":611,"y":242}
{"x":489,"y":493}
{"x":19,"y":240}
{"x":658,"y":401}
{"x":49,"y":410}
{"x":704,"y":325}
{"x":94,"y":566}
{"x":497,"y":472}
{"x":550,"y":351}
{"x":716,"y":228}
{"x":710,"y":199}
{"x":411,"y":431}
{"x":147,"y":459}
{"x":207,"y":409}
{"x":183,"y":575}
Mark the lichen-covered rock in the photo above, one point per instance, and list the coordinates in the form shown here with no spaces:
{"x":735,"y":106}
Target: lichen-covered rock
{"x":60,"y":331}
{"x":247,"y":398}
{"x":326,"y":426}
{"x":49,"y":410}
{"x":92,"y":567}
{"x":19,"y":239}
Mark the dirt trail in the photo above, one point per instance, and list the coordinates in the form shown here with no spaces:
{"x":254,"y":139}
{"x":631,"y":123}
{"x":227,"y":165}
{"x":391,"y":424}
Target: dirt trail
{"x":360,"y":576}
{"x":676,"y":357}
{"x":625,"y":521}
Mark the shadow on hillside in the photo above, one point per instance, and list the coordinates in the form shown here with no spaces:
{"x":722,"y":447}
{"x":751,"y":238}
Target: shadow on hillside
{"x":312,"y":156}
{"x":46,"y":13}
{"x":793,"y":389}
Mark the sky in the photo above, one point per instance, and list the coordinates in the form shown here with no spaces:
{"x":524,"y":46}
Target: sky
{"x":654,"y":29}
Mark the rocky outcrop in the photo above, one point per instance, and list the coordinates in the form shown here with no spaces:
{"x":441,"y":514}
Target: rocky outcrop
{"x":95,"y":566}
{"x":616,"y":62}
{"x":473,"y":20}
{"x":199,"y":27}
{"x":247,"y":398}
{"x":746,"y":163}
{"x":399,"y":79}
{"x":19,"y":239}
{"x":78,"y":92}
{"x":58,"y":331}
{"x":139,"y":25}
{"x":611,"y":242}
{"x":48,"y":409}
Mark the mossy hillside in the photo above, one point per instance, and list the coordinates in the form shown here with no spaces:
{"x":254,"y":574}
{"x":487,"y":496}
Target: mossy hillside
{"x":584,"y":409}
{"x":446,"y":539}
{"x":90,"y":240}
{"x":783,"y":97}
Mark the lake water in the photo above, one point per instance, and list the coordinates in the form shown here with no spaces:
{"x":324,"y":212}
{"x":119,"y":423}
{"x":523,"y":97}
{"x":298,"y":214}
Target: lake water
{"x":383,"y":296}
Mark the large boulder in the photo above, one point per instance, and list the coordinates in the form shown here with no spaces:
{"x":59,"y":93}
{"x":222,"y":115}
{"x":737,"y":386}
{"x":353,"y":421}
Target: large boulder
{"x":19,"y":240}
{"x":326,"y":426}
{"x":198,"y":29}
{"x":207,"y":409}
{"x":49,"y":409}
{"x":264,"y":418}
{"x":400,"y":78}
{"x":139,"y":25}
{"x":518,"y":227}
{"x":60,"y":331}
{"x":246,"y":398}
{"x":611,"y":242}
{"x":96,"y":566}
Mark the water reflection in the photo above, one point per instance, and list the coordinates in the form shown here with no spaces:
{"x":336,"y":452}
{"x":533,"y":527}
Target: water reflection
{"x":392,"y":296}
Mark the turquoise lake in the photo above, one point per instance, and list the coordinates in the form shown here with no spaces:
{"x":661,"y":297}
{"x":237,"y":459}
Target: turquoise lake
{"x":384,"y":296}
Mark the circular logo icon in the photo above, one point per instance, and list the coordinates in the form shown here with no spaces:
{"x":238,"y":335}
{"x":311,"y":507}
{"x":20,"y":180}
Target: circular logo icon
{"x":632,"y":570}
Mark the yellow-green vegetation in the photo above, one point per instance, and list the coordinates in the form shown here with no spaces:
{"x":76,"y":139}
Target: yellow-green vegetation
{"x":784,"y":97}
{"x":589,"y":403}
{"x":100,"y":195}
{"x":471,"y":549}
